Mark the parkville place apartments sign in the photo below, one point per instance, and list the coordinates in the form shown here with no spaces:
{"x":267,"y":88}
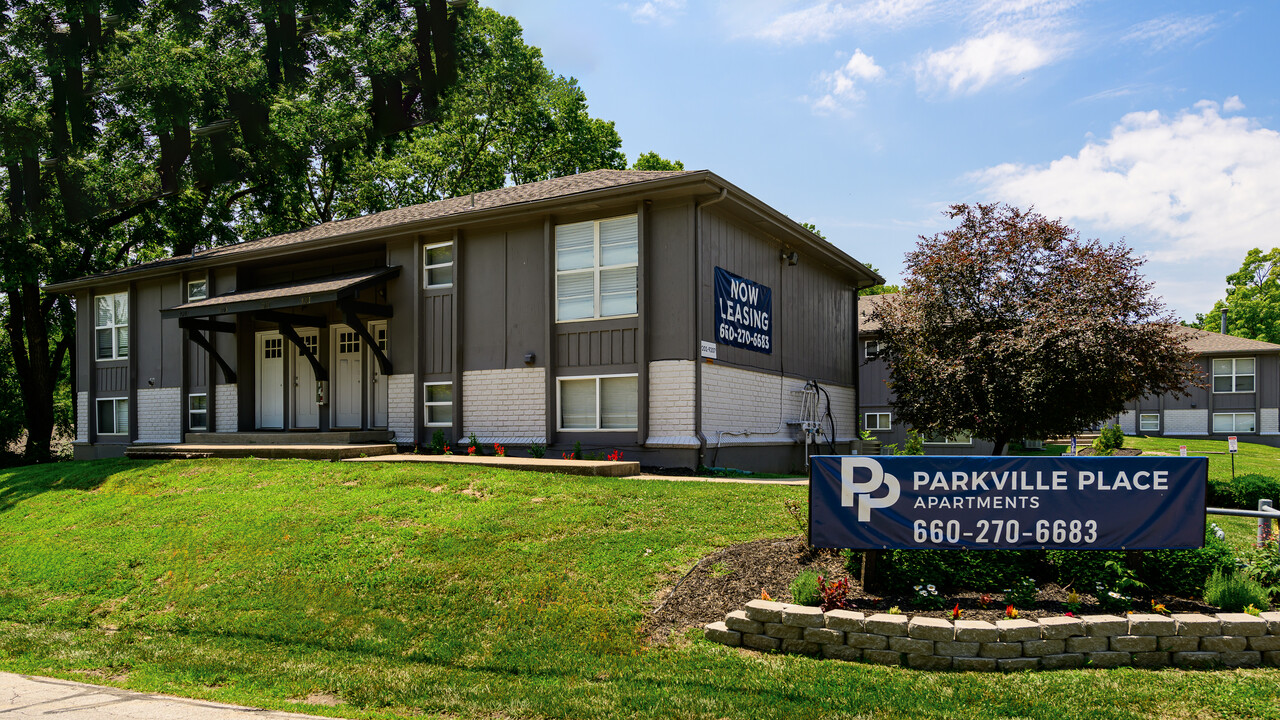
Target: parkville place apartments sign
{"x":917,"y":502}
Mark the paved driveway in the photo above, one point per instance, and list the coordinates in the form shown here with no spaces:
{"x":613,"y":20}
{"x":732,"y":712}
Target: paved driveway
{"x":25,"y":696}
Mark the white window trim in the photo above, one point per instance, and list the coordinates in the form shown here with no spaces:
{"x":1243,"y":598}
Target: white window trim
{"x":205,"y":296}
{"x":1148,"y":415}
{"x":426,"y":269}
{"x":560,"y":406}
{"x":427,"y":404}
{"x":113,"y":327}
{"x":114,"y":415}
{"x":1234,"y":415}
{"x":966,"y":443}
{"x":866,"y":350}
{"x":597,"y":268}
{"x":1234,"y":375}
{"x":191,"y":411}
{"x":867,"y":422}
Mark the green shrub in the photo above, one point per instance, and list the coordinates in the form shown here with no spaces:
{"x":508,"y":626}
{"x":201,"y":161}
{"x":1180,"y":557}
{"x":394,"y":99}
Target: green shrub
{"x":1233,"y":593}
{"x":1218,"y":494}
{"x":1083,"y":570}
{"x":984,"y":570}
{"x":804,"y":589}
{"x":914,"y":444}
{"x":1022,"y":593}
{"x":1109,"y":440}
{"x":1184,"y":572}
{"x":1263,"y":565}
{"x":537,"y":450}
{"x":1247,"y":490}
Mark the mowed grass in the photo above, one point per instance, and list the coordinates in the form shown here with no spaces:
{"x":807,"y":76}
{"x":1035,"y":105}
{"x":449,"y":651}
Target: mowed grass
{"x":399,"y":590}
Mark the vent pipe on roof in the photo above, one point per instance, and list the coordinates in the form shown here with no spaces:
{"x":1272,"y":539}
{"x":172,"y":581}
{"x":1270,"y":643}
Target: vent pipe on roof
{"x":1224,"y":321}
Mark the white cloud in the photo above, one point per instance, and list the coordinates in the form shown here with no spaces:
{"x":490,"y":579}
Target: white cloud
{"x":654,"y":11}
{"x":1191,"y":187}
{"x":980,"y":61}
{"x":1232,"y":104}
{"x":824,"y":20}
{"x":1164,"y":32}
{"x":844,"y":85}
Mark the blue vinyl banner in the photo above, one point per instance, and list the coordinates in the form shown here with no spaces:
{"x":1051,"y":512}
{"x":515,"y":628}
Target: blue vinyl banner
{"x":744,"y":313}
{"x":1088,"y":503}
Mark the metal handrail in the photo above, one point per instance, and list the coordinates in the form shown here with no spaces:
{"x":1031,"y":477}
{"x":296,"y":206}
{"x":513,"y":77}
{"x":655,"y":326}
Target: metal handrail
{"x":1270,"y":514}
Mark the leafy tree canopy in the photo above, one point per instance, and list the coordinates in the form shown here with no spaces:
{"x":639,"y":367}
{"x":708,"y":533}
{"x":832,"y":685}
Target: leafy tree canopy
{"x":1253,"y":300}
{"x":1010,"y":326}
{"x":879,"y":289}
{"x":653,"y":161}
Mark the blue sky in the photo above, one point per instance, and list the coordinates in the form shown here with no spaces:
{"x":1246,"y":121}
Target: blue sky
{"x":1154,"y":123}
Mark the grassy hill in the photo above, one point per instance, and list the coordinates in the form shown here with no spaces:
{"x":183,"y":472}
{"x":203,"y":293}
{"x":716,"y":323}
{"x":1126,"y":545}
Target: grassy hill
{"x":397,"y":590}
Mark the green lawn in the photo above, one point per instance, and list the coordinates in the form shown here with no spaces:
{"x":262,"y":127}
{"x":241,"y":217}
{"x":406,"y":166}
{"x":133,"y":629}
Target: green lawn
{"x":410,"y":589}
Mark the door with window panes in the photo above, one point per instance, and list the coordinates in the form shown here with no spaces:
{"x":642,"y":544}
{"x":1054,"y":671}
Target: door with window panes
{"x":347,"y":380}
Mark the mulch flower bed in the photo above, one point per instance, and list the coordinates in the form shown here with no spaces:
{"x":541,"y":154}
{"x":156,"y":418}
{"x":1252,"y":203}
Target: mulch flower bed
{"x":727,"y":579}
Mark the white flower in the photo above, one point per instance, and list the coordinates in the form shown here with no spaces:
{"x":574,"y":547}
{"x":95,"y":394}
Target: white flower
{"x":933,"y":590}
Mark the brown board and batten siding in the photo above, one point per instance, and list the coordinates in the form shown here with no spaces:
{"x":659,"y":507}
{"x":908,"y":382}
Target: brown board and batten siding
{"x":158,"y":342}
{"x":812,"y":307}
{"x":669,"y":279}
{"x":504,"y":321}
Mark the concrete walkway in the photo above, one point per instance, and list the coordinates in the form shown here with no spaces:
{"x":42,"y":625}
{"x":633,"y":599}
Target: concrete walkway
{"x":27,"y":696}
{"x":590,"y":468}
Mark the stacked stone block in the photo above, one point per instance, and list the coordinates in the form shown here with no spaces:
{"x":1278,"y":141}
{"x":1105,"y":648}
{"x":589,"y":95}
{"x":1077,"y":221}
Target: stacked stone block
{"x":1100,"y":641}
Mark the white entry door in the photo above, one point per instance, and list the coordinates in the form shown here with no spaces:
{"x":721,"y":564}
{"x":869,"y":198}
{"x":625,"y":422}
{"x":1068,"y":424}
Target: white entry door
{"x":379,"y":385}
{"x":347,"y":377}
{"x":270,"y":386}
{"x":306,"y":413}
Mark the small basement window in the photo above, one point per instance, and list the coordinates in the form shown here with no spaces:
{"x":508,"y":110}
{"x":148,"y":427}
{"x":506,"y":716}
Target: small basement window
{"x":1149,"y":422}
{"x":198,"y":411}
{"x":879,"y":422}
{"x":439,"y":403}
{"x":872,"y":349}
{"x":607,"y":402}
{"x":1234,"y":422}
{"x":113,"y":416}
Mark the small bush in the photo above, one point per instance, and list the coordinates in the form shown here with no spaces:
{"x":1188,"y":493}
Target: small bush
{"x":804,"y":589}
{"x":1082,"y":569}
{"x":1247,"y":490}
{"x":1109,"y":440}
{"x":1022,"y":593}
{"x":952,"y":569}
{"x":1263,"y":565}
{"x":1184,"y":572}
{"x":1233,"y":593}
{"x":537,"y":450}
{"x":914,"y":444}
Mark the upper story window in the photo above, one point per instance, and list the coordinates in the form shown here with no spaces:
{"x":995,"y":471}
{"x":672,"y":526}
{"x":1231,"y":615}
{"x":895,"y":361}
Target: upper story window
{"x":958,"y":438}
{"x":596,"y":265}
{"x":111,"y":326}
{"x":1233,"y":375}
{"x":437,"y":264}
{"x":197,"y":289}
{"x":873,"y":349}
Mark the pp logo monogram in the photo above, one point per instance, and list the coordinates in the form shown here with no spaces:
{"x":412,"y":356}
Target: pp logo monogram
{"x":849,"y":487}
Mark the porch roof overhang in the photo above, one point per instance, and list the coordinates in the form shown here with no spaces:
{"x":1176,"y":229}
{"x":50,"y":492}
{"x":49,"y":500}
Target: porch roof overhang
{"x":288,"y":295}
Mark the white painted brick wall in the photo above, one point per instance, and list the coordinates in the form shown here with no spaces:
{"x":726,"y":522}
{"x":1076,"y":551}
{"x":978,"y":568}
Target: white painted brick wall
{"x":671,"y":384}
{"x":1269,"y":421}
{"x":1128,"y":422}
{"x":226,"y":400}
{"x":505,"y":406}
{"x":400,"y":408}
{"x":757,"y":408}
{"x":160,"y":415}
{"x":1186,"y":422}
{"x":82,"y":417}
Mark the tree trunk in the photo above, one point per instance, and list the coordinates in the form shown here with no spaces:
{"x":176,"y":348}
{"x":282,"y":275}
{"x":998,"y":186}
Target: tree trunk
{"x":1000,"y":442}
{"x":37,"y":375}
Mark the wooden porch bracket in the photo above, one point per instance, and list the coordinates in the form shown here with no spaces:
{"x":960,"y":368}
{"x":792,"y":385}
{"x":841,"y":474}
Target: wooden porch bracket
{"x":198,"y":338}
{"x":287,"y":330}
{"x":349,"y":309}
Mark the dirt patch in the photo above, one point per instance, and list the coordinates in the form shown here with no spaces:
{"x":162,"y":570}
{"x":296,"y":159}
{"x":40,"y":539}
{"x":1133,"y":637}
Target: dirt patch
{"x":727,"y":579}
{"x":1119,"y":452}
{"x":318,"y":698}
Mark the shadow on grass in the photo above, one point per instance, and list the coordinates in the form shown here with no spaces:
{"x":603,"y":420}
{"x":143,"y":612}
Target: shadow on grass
{"x":18,"y":484}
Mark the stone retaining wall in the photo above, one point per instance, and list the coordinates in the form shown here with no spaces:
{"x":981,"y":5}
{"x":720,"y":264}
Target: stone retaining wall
{"x":1140,"y":640}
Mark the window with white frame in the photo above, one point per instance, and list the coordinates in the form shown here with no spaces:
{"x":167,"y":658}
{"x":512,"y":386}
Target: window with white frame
{"x":879,"y":421}
{"x":111,"y":326}
{"x":438,"y":397}
{"x":113,"y":416}
{"x":1233,"y":375}
{"x":952,"y":439}
{"x":872,"y":350}
{"x":1234,"y":422}
{"x":198,"y":411}
{"x":596,"y":263}
{"x":1149,"y":422}
{"x":606,"y":402}
{"x":197,"y":289}
{"x":437,"y":265}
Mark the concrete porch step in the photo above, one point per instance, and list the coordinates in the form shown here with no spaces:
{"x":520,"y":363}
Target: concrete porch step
{"x":291,"y":437}
{"x":189,"y":451}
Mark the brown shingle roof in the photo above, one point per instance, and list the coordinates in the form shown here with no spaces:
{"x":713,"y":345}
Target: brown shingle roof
{"x":867,"y":303}
{"x":320,"y":290}
{"x":502,"y":197}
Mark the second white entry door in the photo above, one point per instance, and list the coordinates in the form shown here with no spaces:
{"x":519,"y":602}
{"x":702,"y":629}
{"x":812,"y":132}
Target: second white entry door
{"x":306,"y":412}
{"x":378,"y":401}
{"x":347,"y":378}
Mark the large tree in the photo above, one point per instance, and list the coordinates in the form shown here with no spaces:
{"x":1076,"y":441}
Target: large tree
{"x":1253,"y":299}
{"x":131,"y":130}
{"x":1010,"y":326}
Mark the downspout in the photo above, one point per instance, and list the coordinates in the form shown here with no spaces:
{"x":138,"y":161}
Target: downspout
{"x":698,"y":320}
{"x":855,"y":445}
